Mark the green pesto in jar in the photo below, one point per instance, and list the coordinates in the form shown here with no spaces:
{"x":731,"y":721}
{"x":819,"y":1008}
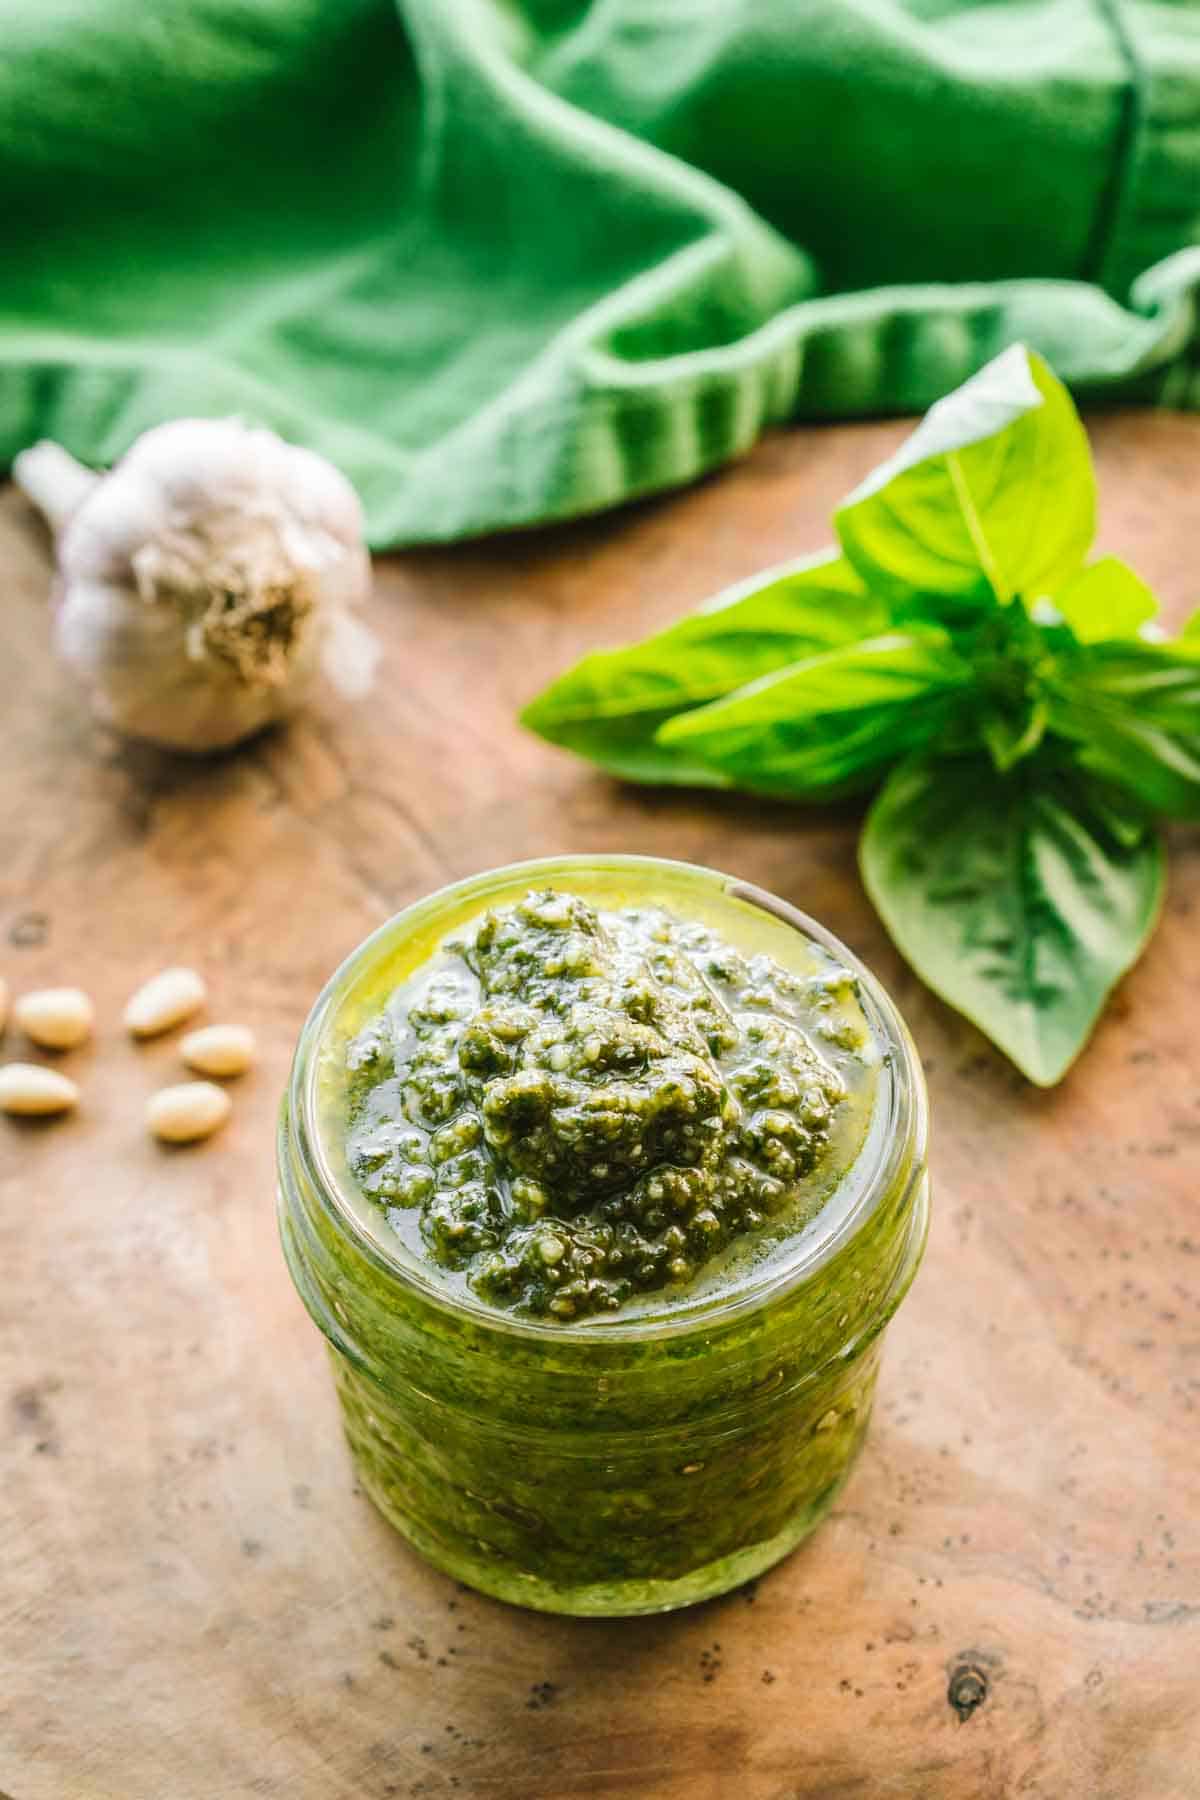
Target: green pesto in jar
{"x":584,"y":1111}
{"x":602,"y":1178}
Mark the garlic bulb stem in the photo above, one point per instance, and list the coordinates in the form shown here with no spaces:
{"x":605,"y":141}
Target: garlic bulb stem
{"x":52,"y":480}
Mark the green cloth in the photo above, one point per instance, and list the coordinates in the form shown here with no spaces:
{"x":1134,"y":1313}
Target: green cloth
{"x":512,"y":260}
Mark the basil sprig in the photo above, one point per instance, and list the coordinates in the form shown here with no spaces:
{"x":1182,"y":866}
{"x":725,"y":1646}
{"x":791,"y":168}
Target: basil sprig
{"x":1019,"y":714}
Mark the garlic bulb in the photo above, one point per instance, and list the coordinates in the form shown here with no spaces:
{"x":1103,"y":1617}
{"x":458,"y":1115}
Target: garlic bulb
{"x":205,"y":580}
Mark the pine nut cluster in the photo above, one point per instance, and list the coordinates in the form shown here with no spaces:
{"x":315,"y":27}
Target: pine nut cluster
{"x":62,"y":1018}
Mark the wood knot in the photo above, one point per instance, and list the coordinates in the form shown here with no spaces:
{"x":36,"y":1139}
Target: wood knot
{"x":968,"y":1689}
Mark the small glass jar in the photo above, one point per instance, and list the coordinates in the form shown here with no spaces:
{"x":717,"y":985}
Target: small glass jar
{"x":612,"y":1466}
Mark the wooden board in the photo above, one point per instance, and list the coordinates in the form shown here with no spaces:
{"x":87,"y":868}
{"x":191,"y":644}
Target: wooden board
{"x":195,"y":1602}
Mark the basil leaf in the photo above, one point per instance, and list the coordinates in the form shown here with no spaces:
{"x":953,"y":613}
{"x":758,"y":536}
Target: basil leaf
{"x":1191,"y":629}
{"x":611,"y":704}
{"x":991,"y":497}
{"x":1013,"y":897}
{"x":828,"y":724}
{"x":1133,"y":712}
{"x":1011,"y":736}
{"x":1106,"y":600}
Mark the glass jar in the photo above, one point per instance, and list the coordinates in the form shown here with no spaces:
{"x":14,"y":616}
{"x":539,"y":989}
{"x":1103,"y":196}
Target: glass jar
{"x":622,"y":1465}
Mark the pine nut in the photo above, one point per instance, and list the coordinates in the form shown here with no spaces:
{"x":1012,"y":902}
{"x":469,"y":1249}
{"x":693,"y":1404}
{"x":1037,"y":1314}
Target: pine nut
{"x":167,"y":1000}
{"x":55,"y":1018}
{"x":219,"y":1049}
{"x":191,"y":1110}
{"x":30,"y":1090}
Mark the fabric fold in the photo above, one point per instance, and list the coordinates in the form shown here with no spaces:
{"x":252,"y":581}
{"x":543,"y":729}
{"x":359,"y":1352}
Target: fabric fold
{"x":511,"y":262}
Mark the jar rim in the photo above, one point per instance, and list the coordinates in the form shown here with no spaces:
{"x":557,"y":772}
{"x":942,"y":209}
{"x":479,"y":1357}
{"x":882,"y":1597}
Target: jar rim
{"x":900,"y":1116}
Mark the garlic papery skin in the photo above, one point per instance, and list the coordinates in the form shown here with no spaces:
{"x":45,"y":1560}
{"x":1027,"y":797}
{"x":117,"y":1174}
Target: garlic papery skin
{"x":206,"y":580}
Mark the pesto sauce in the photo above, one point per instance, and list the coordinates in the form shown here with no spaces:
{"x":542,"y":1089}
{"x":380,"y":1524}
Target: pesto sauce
{"x":473,"y":1084}
{"x":579,"y":1110}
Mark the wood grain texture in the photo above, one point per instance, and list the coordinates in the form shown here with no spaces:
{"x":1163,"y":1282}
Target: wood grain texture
{"x":195,"y":1603}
